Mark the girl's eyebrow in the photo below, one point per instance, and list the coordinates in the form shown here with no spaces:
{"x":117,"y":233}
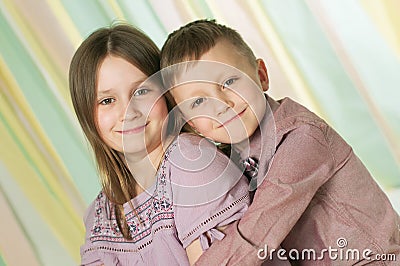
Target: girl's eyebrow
{"x":104,"y":91}
{"x":134,"y":85}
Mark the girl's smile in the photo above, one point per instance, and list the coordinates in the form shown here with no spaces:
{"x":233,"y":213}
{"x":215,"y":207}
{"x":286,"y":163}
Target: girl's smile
{"x":134,"y":130}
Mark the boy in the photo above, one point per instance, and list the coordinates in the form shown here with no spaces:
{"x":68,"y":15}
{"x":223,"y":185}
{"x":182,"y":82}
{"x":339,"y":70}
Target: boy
{"x":315,"y":201}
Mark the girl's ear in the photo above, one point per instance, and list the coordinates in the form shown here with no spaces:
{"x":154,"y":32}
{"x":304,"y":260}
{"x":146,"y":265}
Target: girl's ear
{"x":262,"y":74}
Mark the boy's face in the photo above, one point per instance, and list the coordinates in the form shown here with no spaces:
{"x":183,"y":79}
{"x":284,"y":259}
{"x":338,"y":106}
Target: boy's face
{"x":223,"y":100}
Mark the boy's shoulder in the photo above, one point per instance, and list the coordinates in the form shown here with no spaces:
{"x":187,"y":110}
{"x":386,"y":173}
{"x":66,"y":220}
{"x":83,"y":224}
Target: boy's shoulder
{"x":289,"y":113}
{"x":291,"y":108}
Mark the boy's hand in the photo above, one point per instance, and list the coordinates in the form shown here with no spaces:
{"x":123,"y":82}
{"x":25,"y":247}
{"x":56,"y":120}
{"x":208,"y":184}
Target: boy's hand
{"x":245,"y":253}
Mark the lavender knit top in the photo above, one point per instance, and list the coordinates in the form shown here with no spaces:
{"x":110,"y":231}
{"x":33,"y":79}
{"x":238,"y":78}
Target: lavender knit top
{"x":197,"y":188}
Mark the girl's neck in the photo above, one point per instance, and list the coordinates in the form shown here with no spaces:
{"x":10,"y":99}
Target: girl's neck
{"x":145,"y":167}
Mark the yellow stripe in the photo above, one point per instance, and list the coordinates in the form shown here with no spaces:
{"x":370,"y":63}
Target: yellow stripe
{"x":117,"y":10}
{"x":186,"y":11}
{"x":194,"y":10}
{"x":37,"y":193}
{"x":59,"y":221}
{"x":42,"y":59}
{"x":385,"y":14}
{"x":66,"y":22}
{"x":215,"y":11}
{"x":271,"y":37}
{"x":53,"y":159}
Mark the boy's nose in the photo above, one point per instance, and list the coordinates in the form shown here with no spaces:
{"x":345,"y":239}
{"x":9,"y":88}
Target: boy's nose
{"x":223,"y":104}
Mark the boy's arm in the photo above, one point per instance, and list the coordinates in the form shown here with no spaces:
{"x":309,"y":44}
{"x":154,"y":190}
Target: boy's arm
{"x":302,"y":163}
{"x":194,"y":251}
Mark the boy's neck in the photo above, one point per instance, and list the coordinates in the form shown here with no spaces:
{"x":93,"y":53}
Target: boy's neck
{"x":243,"y":148}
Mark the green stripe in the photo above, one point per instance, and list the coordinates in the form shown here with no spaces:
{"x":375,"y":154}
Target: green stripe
{"x":141,"y":14}
{"x":203,"y":8}
{"x":339,"y":99}
{"x":66,"y":139}
{"x":27,"y":157}
{"x":86,"y":15}
{"x":2,"y":262}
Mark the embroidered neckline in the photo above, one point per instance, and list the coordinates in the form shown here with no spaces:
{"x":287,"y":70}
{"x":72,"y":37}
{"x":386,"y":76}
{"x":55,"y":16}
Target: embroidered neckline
{"x":157,"y":208}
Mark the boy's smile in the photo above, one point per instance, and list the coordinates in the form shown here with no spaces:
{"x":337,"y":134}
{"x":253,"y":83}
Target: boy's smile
{"x":222,"y":94}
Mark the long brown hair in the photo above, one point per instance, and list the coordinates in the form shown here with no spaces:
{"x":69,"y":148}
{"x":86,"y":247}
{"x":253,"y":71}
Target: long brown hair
{"x":131,"y":44}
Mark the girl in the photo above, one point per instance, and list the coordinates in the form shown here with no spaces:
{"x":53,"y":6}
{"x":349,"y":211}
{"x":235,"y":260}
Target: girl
{"x":152,"y":205}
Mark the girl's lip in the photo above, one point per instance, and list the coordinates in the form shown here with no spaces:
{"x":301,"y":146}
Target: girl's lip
{"x":233,"y":118}
{"x":133,"y":130}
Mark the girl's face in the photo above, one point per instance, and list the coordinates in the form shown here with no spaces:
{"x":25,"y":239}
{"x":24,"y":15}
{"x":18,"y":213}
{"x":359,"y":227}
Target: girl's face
{"x":129,"y":116}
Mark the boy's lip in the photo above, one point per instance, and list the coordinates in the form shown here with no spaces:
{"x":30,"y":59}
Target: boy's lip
{"x":233,"y":118}
{"x":133,"y":130}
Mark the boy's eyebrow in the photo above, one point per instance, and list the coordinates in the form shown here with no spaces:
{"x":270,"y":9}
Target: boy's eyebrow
{"x":206,"y":71}
{"x":195,"y":91}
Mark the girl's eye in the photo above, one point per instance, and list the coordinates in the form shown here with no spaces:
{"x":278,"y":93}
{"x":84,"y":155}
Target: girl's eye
{"x":229,"y":82}
{"x":107,"y":101}
{"x":140,"y":91}
{"x":197,"y":102}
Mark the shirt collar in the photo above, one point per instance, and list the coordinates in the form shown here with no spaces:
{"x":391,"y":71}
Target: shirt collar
{"x":263,"y":141}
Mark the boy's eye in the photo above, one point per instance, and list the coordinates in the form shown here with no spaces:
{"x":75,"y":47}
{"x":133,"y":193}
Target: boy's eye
{"x":229,"y":82}
{"x":197,"y":102}
{"x":140,"y":91}
{"x":107,"y":101}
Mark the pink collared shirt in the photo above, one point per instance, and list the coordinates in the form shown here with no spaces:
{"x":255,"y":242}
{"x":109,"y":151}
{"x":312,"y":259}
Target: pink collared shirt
{"x":315,"y":195}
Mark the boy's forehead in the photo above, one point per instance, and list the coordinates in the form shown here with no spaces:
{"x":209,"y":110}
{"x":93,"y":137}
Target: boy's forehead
{"x":225,"y":52}
{"x":199,"y":71}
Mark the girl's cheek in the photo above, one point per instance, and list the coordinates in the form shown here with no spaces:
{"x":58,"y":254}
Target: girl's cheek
{"x":159,"y":108}
{"x":104,"y":119}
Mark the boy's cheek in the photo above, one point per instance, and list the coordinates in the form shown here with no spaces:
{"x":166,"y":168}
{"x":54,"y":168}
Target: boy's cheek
{"x":202,"y":124}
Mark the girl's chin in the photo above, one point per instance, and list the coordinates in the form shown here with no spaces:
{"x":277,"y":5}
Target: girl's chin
{"x":134,"y":150}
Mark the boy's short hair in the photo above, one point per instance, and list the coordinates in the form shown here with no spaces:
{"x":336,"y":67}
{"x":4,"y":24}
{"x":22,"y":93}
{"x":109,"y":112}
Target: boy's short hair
{"x":196,"y":38}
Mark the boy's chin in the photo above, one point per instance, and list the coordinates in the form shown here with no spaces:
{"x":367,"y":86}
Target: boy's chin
{"x":234,"y":140}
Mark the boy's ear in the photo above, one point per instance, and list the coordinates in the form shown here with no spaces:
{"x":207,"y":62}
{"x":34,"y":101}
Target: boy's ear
{"x":263,"y":74}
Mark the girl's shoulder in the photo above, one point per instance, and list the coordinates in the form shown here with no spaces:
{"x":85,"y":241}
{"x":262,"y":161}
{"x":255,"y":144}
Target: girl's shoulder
{"x":189,"y":147}
{"x":100,"y":220}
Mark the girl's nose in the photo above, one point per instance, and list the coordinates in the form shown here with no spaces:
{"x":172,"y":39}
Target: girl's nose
{"x":129,"y":112}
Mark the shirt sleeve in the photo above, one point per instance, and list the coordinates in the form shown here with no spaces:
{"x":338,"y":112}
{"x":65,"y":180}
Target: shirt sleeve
{"x":303,"y":162}
{"x":89,"y":253}
{"x":208,"y":189}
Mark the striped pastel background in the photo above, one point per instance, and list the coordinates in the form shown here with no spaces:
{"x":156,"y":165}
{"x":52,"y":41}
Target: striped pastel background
{"x":339,"y":58}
